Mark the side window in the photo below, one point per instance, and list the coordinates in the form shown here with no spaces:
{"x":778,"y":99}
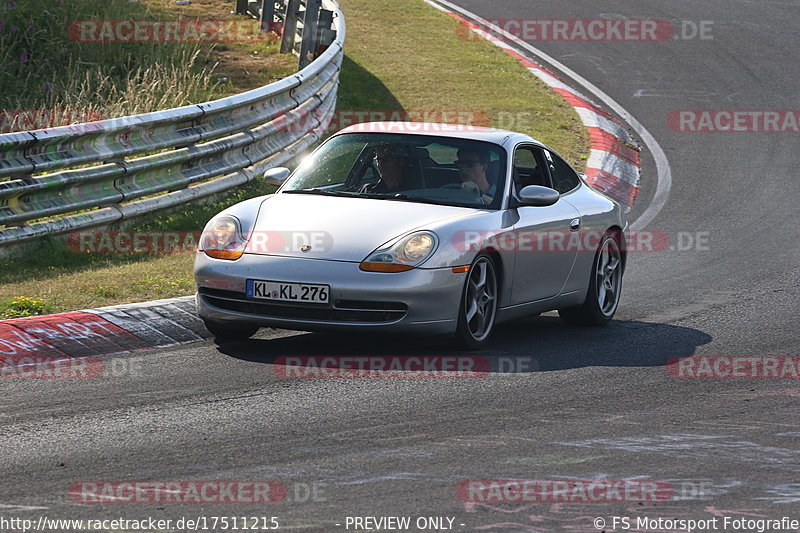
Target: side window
{"x":370,"y":176}
{"x":440,"y":154}
{"x":564,"y":178}
{"x":527,"y":168}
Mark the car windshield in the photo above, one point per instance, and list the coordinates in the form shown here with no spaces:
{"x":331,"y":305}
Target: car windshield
{"x":410,"y":168}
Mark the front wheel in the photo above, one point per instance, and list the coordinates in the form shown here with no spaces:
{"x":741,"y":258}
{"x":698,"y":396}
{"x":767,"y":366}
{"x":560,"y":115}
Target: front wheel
{"x":224,"y":332}
{"x":605,"y":285}
{"x":478,"y":307}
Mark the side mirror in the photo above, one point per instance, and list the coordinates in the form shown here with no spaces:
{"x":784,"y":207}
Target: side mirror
{"x":538,"y":196}
{"x":277,"y":175}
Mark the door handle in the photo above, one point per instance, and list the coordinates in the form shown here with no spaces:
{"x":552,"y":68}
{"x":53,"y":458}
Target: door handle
{"x":575,"y":224}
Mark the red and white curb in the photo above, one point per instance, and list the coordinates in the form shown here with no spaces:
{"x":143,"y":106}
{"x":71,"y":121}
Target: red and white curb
{"x":613,"y":167}
{"x":105,"y":331}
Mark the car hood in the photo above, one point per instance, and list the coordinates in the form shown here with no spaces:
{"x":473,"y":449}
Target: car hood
{"x":339,"y":229}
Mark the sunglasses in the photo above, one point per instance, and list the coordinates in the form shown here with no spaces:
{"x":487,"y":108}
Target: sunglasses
{"x":464,"y":164}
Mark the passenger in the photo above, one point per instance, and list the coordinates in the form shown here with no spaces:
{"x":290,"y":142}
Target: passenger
{"x":473,"y":166}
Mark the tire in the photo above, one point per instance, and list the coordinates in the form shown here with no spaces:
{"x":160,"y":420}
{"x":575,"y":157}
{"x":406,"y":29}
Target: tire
{"x":223,"y":332}
{"x":478,"y":308}
{"x":605,"y":286}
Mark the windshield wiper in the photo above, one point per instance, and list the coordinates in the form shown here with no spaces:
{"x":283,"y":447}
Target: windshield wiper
{"x":320,"y":191}
{"x":378,"y":196}
{"x":409,"y":198}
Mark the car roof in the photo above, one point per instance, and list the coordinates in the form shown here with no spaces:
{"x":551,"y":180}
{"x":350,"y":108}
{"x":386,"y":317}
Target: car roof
{"x":459,"y":131}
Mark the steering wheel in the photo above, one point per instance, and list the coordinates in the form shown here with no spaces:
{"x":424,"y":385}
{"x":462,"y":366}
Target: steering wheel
{"x":460,"y":187}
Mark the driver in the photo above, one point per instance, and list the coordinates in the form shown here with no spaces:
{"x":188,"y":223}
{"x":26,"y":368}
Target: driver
{"x":389,"y":160}
{"x":473,"y":165}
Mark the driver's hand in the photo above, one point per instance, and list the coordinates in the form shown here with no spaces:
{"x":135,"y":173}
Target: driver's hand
{"x":470,"y":186}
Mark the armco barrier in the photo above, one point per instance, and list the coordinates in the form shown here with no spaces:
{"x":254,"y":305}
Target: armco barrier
{"x":98,"y":173}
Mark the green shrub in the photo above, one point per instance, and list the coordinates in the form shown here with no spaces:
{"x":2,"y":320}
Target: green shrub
{"x":23,"y":306}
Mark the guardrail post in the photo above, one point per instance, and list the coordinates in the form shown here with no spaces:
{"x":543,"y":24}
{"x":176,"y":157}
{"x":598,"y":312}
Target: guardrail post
{"x":267,"y":15}
{"x":325,"y":34}
{"x":290,"y":26}
{"x":280,"y":12}
{"x":241,"y":7}
{"x":308,"y":43}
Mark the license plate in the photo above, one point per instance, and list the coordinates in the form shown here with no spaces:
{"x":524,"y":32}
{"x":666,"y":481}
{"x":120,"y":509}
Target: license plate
{"x":288,"y":292}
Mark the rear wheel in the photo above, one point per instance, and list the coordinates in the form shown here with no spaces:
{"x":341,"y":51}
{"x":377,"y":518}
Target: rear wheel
{"x":224,"y":332}
{"x":478,"y":307}
{"x":605,"y":284}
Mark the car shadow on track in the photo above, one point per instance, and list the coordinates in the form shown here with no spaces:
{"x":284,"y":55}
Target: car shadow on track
{"x":536,"y":344}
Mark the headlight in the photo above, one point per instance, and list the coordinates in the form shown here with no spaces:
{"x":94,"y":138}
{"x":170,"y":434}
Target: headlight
{"x":222,"y":239}
{"x":403,"y":254}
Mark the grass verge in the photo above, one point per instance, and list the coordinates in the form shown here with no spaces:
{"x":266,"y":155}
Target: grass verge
{"x":53,"y":75}
{"x":407,"y":55}
{"x":401,"y":55}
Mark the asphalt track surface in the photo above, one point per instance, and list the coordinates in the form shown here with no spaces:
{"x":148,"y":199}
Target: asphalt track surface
{"x":599,"y":404}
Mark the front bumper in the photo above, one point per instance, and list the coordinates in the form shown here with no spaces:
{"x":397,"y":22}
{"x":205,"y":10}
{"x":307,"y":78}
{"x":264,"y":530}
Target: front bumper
{"x":420,"y":300}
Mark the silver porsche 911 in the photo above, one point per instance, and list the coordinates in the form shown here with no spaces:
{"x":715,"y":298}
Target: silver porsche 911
{"x":441,"y":230}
